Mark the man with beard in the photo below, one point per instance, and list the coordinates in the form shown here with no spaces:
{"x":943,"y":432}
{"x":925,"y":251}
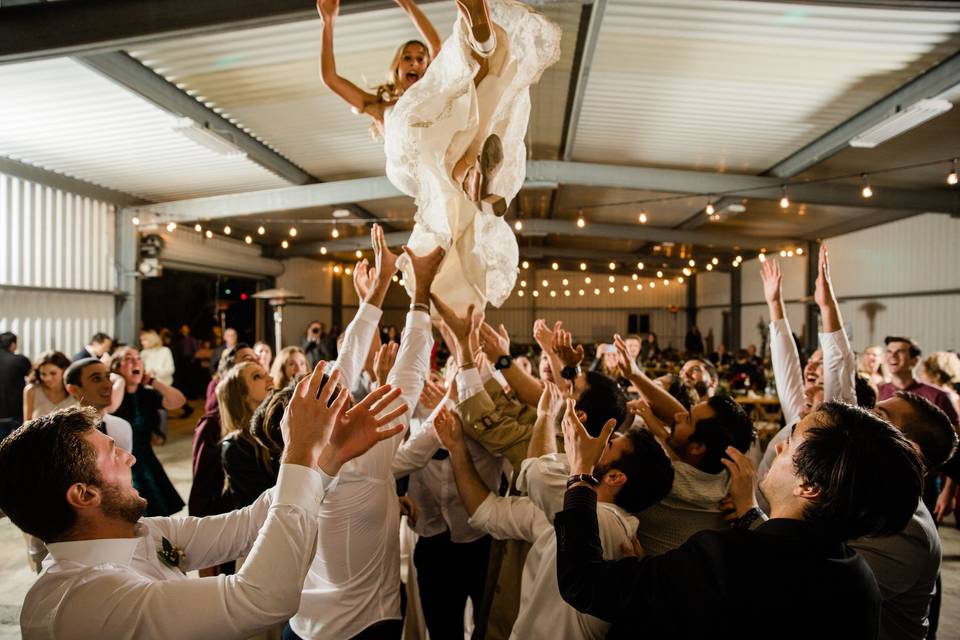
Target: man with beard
{"x":117,"y":575}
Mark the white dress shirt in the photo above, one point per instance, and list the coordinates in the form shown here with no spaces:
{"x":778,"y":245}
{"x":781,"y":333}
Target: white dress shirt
{"x":119,"y":588}
{"x":543,"y":613}
{"x":354,"y":581}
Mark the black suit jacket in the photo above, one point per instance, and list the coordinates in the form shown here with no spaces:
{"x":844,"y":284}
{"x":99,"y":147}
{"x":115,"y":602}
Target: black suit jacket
{"x":780,"y":580}
{"x":83,"y":354}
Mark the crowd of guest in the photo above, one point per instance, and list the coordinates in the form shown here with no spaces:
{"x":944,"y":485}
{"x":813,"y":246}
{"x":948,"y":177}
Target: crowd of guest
{"x":439,"y":480}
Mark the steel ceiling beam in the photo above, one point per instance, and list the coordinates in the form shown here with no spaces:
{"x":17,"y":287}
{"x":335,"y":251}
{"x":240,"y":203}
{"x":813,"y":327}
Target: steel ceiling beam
{"x":589,"y":33}
{"x":136,"y":77}
{"x":566,"y":173}
{"x":54,"y":180}
{"x":937,"y":80}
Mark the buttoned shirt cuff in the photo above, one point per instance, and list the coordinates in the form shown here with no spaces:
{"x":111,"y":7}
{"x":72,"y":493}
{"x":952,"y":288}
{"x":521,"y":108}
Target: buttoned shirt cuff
{"x":469,"y":383}
{"x":482,"y":515}
{"x":302,"y":487}
{"x":419,"y":320}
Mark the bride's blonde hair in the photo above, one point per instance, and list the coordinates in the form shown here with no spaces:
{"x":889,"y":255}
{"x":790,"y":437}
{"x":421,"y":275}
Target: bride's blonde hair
{"x":390,"y":91}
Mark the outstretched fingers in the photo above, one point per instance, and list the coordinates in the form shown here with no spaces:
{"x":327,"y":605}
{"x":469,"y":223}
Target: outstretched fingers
{"x":385,"y":401}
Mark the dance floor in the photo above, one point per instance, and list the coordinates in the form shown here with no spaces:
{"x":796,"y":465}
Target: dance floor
{"x":15,"y":577}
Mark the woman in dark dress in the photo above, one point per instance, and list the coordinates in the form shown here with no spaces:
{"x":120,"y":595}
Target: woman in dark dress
{"x":142,"y":400}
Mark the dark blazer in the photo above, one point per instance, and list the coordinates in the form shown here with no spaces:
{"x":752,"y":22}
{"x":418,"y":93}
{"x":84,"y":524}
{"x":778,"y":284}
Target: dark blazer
{"x":247,"y":475}
{"x":82,"y":355}
{"x":779,"y":580}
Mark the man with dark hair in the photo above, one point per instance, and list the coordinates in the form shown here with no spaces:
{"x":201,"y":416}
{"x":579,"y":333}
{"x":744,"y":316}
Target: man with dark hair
{"x":315,"y":343}
{"x":13,"y":372}
{"x":88,"y":381}
{"x":99,"y":345}
{"x":843,"y":473}
{"x":230,"y":339}
{"x":697,"y":443}
{"x":632,"y":473}
{"x":701,"y":376}
{"x":115,"y":574}
{"x":901,"y":359}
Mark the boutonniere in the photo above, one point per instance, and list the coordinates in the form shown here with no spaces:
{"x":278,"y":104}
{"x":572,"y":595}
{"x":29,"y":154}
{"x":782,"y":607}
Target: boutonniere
{"x":169,"y":554}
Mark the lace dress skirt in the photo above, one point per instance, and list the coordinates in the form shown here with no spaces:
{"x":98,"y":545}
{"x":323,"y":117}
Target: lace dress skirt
{"x":444,"y":117}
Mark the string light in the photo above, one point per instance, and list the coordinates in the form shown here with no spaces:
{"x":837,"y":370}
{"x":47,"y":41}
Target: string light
{"x":197,"y":228}
{"x":710,"y":210}
{"x":643,"y":218}
{"x":709,"y":267}
{"x":692,"y":262}
{"x":583,"y":266}
{"x":525,"y":264}
{"x":171,"y":227}
{"x":261,"y":230}
{"x":520,"y":293}
{"x":209,"y":234}
{"x":611,"y":290}
{"x":580,"y":292}
{"x":518,"y":225}
{"x":581,"y":223}
{"x":523,"y":283}
{"x":666,"y":282}
{"x":323,"y":251}
{"x":715,"y":261}
{"x":739,"y":258}
{"x":248,"y":239}
{"x":639,"y":286}
{"x":545,"y":283}
{"x":566,"y":293}
{"x":639,"y":266}
{"x":659,"y":274}
{"x":762,"y":257}
{"x":686,"y":271}
{"x":586,"y":280}
{"x":789,"y":254}
{"x":783,"y":253}
{"x":867,"y":191}
{"x":358,"y":253}
{"x":565,"y":282}
{"x":613,"y":266}
{"x":799,"y":252}
{"x":348,"y":271}
{"x":396,"y":278}
{"x":784,"y":200}
{"x":554,"y":266}
{"x":335,"y":233}
{"x":626,"y":288}
{"x":596,"y":292}
{"x":293,"y":232}
{"x":536,"y":294}
{"x":636,"y":277}
{"x":952,"y":178}
{"x":553,"y":294}
{"x":612,"y":279}
{"x":227,"y":230}
{"x":286,"y":245}
{"x":653,"y":285}
{"x":680,"y":279}
{"x":135,"y":220}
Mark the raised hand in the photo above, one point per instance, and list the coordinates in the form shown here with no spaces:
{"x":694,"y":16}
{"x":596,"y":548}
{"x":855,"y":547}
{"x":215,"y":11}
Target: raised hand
{"x":449,"y":429}
{"x":425,"y":269}
{"x":628,"y":366}
{"x":494,"y":344}
{"x":823,"y":293}
{"x":460,"y":326}
{"x":356,"y":431}
{"x":364,"y":277}
{"x":771,"y":277}
{"x":583,"y":451}
{"x":543,"y":335}
{"x":310,"y":417}
{"x":328,"y":9}
{"x":432,"y":394}
{"x":384,"y":360}
{"x":743,"y":484}
{"x":385,"y":260}
{"x":551,"y":401}
{"x":408,"y":508}
{"x":563,"y":347}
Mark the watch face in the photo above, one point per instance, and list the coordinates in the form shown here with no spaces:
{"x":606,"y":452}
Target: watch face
{"x":503,"y":362}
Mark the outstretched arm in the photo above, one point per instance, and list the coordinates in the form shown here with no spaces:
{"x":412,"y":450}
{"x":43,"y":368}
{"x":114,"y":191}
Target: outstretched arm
{"x":496,"y":344}
{"x":664,"y":405}
{"x":783,"y":350}
{"x":351,"y":93}
{"x":423,"y":25}
{"x":839,"y":363}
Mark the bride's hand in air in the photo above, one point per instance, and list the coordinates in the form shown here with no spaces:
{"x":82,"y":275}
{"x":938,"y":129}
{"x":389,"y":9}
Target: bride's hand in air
{"x":328,"y":9}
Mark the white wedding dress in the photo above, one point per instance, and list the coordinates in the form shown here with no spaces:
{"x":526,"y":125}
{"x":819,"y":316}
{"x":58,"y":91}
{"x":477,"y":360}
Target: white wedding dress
{"x":444,"y":116}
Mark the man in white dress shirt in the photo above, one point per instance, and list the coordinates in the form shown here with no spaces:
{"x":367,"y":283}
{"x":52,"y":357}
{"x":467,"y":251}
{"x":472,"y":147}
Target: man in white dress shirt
{"x":634,"y":472}
{"x":88,"y":380}
{"x":114,"y":574}
{"x":353,"y":587}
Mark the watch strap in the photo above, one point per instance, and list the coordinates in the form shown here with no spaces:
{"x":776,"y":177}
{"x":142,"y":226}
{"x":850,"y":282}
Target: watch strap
{"x":582,"y":477}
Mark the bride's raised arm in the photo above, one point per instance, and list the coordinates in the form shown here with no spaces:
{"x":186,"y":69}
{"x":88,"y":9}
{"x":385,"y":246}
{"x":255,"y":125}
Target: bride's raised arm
{"x":351,"y":93}
{"x":423,"y":25}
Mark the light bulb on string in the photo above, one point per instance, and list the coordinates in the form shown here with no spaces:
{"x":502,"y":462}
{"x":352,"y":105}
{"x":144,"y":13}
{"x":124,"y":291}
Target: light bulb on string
{"x":286,"y":245}
{"x":525,"y":264}
{"x":536,"y":294}
{"x":359,"y":254}
{"x":323,"y":251}
{"x":626,"y":288}
{"x":248,"y":239}
{"x":545,"y":283}
{"x":653,"y":285}
{"x":659,"y":274}
{"x":171,"y":226}
{"x":348,"y":270}
{"x":710,"y":209}
{"x":261,"y":230}
{"x":227,"y":230}
{"x":866,"y":191}
{"x":565,"y":282}
{"x":335,"y":233}
{"x":293,"y":232}
{"x":952,"y":178}
{"x":642,"y":218}
{"x":715,"y":261}
{"x":639,"y":266}
{"x":666,"y":282}
{"x":197,"y":228}
{"x":709,"y":267}
{"x":611,"y":290}
{"x":209,"y":234}
{"x":581,"y":223}
{"x":518,"y":225}
{"x":135,"y":221}
{"x":762,"y":257}
{"x":784,"y":200}
{"x":583,"y":266}
{"x":692,"y":262}
{"x":566,"y":293}
{"x":686,"y":271}
{"x":520,"y":293}
{"x":581,"y":292}
{"x":680,"y":279}
{"x":587,"y":280}
{"x":613,"y":266}
{"x":554,"y":266}
{"x":612,"y":279}
{"x":596,"y":292}
{"x":553,"y":294}
{"x":635,"y":277}
{"x":799,"y":251}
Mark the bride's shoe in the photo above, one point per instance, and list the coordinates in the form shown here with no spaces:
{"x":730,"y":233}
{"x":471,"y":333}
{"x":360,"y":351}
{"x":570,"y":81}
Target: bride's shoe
{"x":476,"y":182}
{"x":483,"y":39}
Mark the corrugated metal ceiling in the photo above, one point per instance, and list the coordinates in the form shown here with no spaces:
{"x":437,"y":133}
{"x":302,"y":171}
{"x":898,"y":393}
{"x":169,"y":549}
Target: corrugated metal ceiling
{"x":737,"y":86}
{"x":61,"y":116}
{"x":266,"y":81}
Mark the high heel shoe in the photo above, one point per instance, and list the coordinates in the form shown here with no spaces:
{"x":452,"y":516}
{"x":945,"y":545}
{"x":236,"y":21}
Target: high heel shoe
{"x":477,"y":180}
{"x":478,"y":17}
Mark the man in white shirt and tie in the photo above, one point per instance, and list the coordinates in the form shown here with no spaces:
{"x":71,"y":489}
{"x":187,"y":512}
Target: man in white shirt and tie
{"x":114,"y":574}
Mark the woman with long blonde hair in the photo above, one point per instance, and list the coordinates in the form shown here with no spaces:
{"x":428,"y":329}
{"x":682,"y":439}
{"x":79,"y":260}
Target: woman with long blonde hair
{"x":290,"y":363}
{"x":453,"y":119}
{"x":246,"y":460}
{"x":157,"y":358}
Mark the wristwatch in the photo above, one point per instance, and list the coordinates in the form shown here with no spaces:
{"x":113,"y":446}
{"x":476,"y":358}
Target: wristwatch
{"x":582,"y":477}
{"x":744,"y":521}
{"x":503,"y":362}
{"x":569,"y":372}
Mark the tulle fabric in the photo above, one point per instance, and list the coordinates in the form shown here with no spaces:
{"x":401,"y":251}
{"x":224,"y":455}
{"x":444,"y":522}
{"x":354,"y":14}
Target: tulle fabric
{"x":443,"y":117}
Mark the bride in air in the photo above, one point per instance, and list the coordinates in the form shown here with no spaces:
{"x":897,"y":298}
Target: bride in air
{"x":453,"y":117}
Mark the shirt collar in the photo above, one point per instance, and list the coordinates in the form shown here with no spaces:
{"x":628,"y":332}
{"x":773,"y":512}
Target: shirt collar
{"x":100,"y":551}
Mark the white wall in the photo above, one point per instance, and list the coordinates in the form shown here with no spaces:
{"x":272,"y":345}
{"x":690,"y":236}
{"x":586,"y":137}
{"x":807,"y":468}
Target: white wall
{"x":57,"y":272}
